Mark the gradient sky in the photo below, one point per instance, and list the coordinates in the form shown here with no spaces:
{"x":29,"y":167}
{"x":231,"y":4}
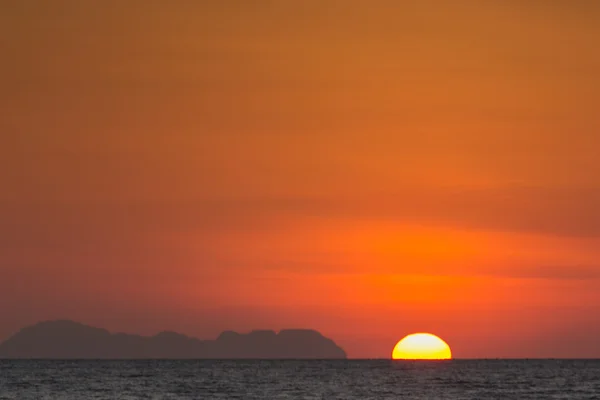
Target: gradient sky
{"x":365,"y":168}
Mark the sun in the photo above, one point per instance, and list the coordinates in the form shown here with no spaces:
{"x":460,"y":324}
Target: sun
{"x":421,"y":346}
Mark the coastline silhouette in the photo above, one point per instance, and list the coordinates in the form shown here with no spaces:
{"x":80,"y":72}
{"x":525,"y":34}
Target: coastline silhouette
{"x":65,"y":339}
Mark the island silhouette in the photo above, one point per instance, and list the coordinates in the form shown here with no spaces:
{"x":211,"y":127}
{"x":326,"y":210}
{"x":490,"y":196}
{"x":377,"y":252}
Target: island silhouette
{"x":65,"y":339}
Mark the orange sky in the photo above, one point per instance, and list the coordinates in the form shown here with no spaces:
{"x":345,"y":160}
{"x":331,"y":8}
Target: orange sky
{"x":365,"y":168}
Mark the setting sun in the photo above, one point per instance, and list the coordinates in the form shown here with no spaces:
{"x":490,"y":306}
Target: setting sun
{"x":421,"y":346}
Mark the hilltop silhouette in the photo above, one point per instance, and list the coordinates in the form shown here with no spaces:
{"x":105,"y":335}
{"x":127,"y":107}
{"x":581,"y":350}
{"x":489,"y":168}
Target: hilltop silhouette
{"x":72,"y":340}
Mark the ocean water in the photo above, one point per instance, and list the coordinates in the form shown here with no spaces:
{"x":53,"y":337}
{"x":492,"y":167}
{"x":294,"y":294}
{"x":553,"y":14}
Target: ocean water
{"x":290,"y":379}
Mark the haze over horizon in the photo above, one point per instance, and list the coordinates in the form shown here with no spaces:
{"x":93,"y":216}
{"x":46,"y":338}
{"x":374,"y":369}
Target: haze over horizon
{"x":365,"y":169}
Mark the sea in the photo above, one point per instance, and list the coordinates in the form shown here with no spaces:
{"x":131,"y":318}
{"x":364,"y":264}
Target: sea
{"x":296,"y":379}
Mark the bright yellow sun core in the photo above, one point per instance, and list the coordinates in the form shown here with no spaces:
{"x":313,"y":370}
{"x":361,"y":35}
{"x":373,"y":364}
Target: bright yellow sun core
{"x":421,"y":346}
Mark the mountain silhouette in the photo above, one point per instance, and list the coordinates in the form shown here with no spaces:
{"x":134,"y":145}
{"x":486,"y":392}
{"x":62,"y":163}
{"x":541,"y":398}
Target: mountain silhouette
{"x":65,"y":339}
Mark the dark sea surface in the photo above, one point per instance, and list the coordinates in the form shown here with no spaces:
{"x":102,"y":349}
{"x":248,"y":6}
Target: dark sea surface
{"x":360,"y":379}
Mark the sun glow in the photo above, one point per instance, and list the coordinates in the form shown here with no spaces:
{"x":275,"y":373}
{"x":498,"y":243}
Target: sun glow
{"x":421,"y":346}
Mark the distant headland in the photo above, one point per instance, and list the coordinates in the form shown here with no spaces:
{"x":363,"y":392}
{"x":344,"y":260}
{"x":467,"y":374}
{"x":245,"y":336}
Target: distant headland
{"x":65,"y":339}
